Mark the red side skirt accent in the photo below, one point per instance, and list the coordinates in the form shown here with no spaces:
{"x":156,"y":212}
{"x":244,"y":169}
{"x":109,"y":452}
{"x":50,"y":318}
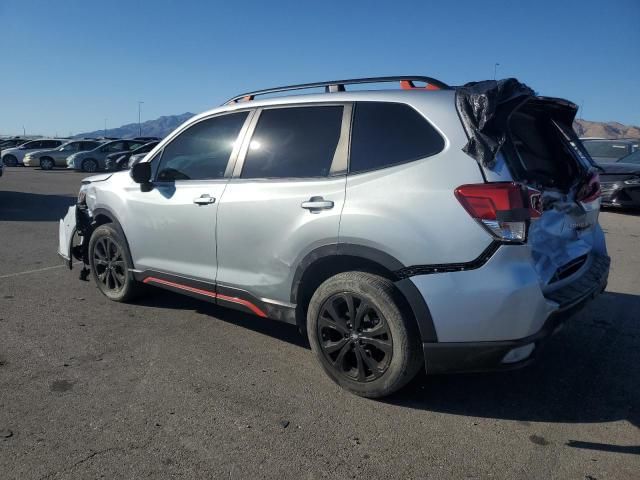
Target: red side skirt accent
{"x":207,"y":293}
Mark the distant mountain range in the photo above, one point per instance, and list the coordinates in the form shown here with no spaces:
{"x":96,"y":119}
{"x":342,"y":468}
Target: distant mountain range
{"x":585,"y":128}
{"x":162,"y":126}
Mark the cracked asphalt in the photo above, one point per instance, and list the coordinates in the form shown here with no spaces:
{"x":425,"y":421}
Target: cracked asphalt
{"x":170,"y":387}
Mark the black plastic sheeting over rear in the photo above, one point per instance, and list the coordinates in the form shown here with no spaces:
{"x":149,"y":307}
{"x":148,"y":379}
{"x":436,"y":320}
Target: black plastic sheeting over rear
{"x":484,"y":108}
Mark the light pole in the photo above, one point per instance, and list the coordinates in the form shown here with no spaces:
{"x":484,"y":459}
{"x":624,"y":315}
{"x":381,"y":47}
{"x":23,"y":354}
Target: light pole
{"x":105,"y":128}
{"x":495,"y":69}
{"x":139,"y":124}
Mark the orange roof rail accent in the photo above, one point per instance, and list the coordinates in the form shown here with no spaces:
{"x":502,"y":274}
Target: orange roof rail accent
{"x":409,"y":85}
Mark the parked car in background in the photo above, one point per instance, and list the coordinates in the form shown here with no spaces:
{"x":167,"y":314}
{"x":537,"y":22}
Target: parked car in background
{"x":147,"y":139}
{"x":358,"y":217}
{"x":12,"y":142}
{"x":631,"y":158}
{"x":620,"y":182}
{"x":57,"y":157}
{"x":604,"y":150}
{"x":94,"y":160}
{"x":122,"y":160}
{"x":14,"y":156}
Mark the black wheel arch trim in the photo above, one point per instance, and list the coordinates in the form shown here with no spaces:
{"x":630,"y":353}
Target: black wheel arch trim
{"x":88,"y":225}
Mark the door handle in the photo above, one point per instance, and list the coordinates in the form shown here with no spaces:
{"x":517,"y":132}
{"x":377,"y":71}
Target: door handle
{"x":315,"y":204}
{"x":204,"y":199}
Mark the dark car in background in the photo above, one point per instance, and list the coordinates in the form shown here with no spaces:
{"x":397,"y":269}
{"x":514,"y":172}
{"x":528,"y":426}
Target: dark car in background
{"x":620,"y":182}
{"x":120,"y":160}
{"x":147,"y":139}
{"x":604,"y":150}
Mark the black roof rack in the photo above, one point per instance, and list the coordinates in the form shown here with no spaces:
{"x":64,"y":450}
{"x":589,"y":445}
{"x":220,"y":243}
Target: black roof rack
{"x":406,"y":82}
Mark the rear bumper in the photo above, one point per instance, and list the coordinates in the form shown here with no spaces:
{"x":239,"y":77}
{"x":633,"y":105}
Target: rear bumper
{"x":497,"y":317}
{"x":492,"y":356}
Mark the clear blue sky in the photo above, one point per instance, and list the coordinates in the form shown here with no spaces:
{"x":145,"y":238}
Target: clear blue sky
{"x":67,"y":65}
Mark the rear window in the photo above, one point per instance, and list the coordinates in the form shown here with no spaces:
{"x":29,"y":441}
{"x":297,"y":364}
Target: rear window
{"x":386,"y":134}
{"x":297,"y":142}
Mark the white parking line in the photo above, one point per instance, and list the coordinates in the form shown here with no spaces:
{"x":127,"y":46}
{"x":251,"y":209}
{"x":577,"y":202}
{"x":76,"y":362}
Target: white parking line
{"x":44,"y":269}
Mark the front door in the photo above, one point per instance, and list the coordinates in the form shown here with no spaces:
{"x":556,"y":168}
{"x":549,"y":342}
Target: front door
{"x":175,"y":221}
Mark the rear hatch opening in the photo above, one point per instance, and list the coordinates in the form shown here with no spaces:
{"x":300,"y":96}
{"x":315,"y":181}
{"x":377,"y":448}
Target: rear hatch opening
{"x":508,"y":125}
{"x":544,"y":153}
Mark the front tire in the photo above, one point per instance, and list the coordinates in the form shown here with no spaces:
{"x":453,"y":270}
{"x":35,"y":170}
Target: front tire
{"x":90,"y":165}
{"x":360,"y":336}
{"x":110,"y":263}
{"x":10,"y":161}
{"x":46,"y":163}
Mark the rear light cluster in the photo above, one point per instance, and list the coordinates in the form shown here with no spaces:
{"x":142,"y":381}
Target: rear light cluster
{"x":590,"y":190}
{"x":503,"y":208}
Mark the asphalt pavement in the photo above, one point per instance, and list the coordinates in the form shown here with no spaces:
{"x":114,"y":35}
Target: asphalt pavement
{"x":171,"y":387}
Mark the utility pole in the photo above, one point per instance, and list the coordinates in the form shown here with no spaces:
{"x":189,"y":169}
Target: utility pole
{"x":495,"y":69}
{"x":139,"y":124}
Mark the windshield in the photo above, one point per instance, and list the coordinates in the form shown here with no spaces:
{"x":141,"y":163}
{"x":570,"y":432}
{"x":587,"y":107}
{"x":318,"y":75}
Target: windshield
{"x":631,"y":158}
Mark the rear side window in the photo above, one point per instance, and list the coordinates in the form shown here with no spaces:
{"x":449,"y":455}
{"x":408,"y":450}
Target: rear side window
{"x":385,"y":134}
{"x":297,"y":142}
{"x":202,"y":151}
{"x":51,"y":143}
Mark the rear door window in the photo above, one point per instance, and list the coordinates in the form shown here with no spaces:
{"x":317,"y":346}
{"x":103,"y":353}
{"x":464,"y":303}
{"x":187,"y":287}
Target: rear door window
{"x":297,"y":142}
{"x":202,"y":151}
{"x":386,"y":134}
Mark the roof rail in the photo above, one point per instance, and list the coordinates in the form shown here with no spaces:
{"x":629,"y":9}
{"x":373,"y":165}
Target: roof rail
{"x":406,"y":82}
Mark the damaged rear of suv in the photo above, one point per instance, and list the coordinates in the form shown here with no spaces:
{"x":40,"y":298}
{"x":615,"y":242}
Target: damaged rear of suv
{"x":437,"y":227}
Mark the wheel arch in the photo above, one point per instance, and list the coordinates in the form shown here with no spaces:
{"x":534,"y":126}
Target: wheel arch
{"x":103,"y":216}
{"x":326,"y":261}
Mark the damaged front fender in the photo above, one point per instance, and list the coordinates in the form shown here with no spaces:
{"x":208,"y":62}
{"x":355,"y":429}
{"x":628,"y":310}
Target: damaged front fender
{"x":73,"y":235}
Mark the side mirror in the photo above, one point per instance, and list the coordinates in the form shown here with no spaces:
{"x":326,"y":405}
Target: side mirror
{"x":141,"y":173}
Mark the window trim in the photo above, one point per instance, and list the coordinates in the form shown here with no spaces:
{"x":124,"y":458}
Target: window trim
{"x":445,"y":140}
{"x":340,"y":157}
{"x":232,"y":157}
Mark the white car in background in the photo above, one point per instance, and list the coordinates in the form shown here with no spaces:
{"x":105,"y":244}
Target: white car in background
{"x":12,"y":157}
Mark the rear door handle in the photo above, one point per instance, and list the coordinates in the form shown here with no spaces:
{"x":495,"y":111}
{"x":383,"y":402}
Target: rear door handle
{"x":315,"y":204}
{"x":204,"y":199}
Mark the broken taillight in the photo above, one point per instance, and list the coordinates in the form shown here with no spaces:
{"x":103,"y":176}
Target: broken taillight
{"x":590,"y":190}
{"x":503,"y":208}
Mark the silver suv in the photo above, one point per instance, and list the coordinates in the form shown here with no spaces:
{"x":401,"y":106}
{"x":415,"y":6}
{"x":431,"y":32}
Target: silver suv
{"x":451,"y":229}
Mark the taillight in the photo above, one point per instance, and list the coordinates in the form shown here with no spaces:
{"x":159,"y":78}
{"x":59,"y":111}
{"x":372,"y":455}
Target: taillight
{"x":590,"y":190}
{"x":500,"y":208}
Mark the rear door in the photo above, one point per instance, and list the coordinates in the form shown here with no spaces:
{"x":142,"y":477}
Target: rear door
{"x":172,"y":226}
{"x":285,"y":198}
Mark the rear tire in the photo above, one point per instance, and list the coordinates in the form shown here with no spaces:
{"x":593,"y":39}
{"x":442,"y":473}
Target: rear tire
{"x":110,"y":263}
{"x":46,"y":163}
{"x":90,"y":165}
{"x":360,"y":336}
{"x":10,"y":161}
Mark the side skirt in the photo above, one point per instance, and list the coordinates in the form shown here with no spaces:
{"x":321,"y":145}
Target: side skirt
{"x":224,"y":296}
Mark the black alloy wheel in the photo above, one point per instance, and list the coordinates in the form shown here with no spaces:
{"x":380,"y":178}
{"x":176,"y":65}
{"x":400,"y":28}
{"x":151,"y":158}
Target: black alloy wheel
{"x":354,"y":337}
{"x":110,"y":266}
